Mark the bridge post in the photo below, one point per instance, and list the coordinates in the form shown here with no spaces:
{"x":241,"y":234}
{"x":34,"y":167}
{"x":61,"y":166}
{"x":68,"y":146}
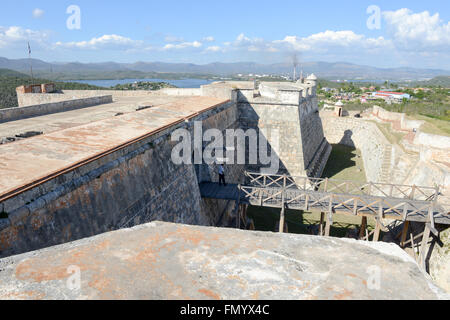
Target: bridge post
{"x":322,"y":220}
{"x":362,"y":231}
{"x":413,"y":192}
{"x":329,"y":222}
{"x":282,"y":214}
{"x":236,"y":210}
{"x":404,"y":233}
{"x":376,"y":235}
{"x":424,"y":247}
{"x":328,"y":226}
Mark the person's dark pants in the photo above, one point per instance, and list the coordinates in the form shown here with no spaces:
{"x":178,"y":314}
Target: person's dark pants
{"x":222,"y":179}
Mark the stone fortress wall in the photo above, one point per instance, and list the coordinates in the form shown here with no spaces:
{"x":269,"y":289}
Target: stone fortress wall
{"x":139,"y":184}
{"x":135,"y":185}
{"x":288,"y":116}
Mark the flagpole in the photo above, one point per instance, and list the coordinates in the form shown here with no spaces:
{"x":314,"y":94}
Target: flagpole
{"x":31,"y":63}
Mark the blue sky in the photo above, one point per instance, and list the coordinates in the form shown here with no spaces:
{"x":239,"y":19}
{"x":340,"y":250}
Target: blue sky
{"x":412,"y":33}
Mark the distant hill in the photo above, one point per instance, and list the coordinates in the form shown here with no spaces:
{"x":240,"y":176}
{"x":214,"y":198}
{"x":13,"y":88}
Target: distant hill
{"x":443,"y":81}
{"x":11,"y":73}
{"x":113,"y":70}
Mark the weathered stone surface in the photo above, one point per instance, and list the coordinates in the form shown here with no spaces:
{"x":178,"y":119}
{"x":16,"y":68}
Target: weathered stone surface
{"x":440,"y":261}
{"x":170,"y":261}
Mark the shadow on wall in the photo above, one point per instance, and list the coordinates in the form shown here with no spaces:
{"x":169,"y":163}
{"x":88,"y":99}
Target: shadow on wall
{"x":347,"y":139}
{"x":341,"y":158}
{"x":312,"y":136}
{"x":248,"y":119}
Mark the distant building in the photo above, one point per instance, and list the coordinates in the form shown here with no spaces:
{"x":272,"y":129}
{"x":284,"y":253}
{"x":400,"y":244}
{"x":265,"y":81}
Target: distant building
{"x":387,"y":95}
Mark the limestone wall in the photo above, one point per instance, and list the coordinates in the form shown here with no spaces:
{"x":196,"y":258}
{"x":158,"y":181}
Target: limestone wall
{"x":13,"y":114}
{"x":181,"y":92}
{"x":363,"y":135}
{"x":300,"y":139}
{"x":29,"y":99}
{"x":405,"y":124}
{"x":132,"y":186}
{"x":283,"y":121}
{"x":432,"y":140}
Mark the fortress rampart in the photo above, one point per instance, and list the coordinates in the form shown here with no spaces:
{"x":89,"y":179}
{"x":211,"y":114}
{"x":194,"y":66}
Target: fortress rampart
{"x":117,"y":173}
{"x":129,"y":186}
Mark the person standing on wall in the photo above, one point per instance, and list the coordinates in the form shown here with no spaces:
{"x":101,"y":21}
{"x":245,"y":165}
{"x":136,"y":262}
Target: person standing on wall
{"x":222,"y":175}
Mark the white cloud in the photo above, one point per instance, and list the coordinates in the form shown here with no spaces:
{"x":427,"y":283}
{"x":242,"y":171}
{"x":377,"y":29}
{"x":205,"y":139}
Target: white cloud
{"x":38,"y":13}
{"x":213,"y":49}
{"x":112,"y":41}
{"x":421,"y":31}
{"x":17,"y":36}
{"x":183,"y":45}
{"x":324,"y":41}
{"x":209,"y":39}
{"x":173,"y":39}
{"x":253,"y":45}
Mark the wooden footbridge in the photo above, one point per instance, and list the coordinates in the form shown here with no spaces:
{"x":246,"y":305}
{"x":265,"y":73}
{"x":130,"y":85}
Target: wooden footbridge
{"x":329,"y":196}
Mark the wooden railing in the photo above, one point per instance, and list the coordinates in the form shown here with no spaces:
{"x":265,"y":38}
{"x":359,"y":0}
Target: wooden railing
{"x":418,"y":193}
{"x":400,"y":202}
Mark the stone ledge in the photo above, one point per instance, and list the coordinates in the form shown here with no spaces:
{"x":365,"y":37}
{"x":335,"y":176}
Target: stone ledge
{"x":170,"y":261}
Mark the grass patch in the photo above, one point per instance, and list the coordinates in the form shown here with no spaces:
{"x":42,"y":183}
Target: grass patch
{"x":434,"y":125}
{"x":300,"y":222}
{"x":345,"y":163}
{"x":392,"y":136}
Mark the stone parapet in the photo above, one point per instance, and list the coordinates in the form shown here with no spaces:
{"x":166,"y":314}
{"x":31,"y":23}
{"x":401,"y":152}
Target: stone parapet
{"x":13,"y":114}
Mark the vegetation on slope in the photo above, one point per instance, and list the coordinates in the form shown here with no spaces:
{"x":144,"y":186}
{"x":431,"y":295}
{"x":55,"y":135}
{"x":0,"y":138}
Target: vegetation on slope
{"x":118,"y":75}
{"x":143,"y":85}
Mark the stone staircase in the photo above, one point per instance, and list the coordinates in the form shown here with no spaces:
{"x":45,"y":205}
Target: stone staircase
{"x":386,"y":166}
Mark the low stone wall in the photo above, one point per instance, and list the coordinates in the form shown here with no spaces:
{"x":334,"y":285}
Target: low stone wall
{"x":387,"y":115}
{"x":181,"y":92}
{"x":13,"y":114}
{"x":30,"y":99}
{"x":432,"y":140}
{"x":405,"y":124}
